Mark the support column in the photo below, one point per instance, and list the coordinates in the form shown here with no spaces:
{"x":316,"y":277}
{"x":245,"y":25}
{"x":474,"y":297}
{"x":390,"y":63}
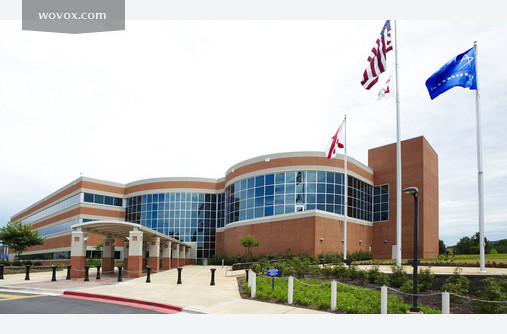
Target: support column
{"x":78,"y":254}
{"x":144,"y":255}
{"x":135,"y":258}
{"x":166,"y":255}
{"x":182,"y":256}
{"x":108,"y":255}
{"x":175,"y":263}
{"x":125,"y":254}
{"x":154,"y":260}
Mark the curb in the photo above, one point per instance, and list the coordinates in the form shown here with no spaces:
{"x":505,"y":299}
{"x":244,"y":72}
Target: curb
{"x":123,"y":299}
{"x":51,"y":292}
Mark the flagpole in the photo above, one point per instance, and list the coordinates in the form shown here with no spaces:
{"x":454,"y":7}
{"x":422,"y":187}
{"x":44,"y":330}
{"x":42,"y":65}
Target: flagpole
{"x":346,"y":194}
{"x":398,"y":153}
{"x":479,"y":168}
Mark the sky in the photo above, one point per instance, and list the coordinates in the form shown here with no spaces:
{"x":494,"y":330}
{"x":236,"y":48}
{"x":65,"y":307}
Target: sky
{"x":191,"y":98}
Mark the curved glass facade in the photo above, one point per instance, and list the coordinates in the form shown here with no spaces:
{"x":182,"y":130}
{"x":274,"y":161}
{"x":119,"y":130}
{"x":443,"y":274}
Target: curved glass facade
{"x":280,"y":193}
{"x":188,"y":217}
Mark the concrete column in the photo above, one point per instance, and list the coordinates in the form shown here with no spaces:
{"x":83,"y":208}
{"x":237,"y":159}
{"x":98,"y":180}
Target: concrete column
{"x":154,"y":260}
{"x":135,"y":257}
{"x":166,"y":255}
{"x":145,"y":245}
{"x":182,"y":256}
{"x":125,"y":254}
{"x":175,"y":256}
{"x":78,"y":254}
{"x":108,"y":254}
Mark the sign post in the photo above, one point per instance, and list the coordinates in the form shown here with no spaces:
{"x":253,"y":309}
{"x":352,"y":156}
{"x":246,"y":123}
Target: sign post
{"x":272,"y":272}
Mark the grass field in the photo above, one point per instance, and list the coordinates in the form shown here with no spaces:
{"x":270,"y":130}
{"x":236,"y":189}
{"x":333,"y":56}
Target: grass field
{"x":458,"y":259}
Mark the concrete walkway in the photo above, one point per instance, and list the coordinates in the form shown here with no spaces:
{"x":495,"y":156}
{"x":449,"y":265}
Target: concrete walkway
{"x":194,"y":295}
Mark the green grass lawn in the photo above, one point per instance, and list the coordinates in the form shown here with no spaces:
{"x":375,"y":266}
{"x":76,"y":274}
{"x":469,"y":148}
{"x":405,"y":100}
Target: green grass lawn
{"x":458,"y":259}
{"x":317,"y":294}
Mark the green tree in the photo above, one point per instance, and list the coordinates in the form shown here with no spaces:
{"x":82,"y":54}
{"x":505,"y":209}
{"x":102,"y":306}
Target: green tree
{"x":441,"y":247}
{"x":468,"y":245}
{"x":18,"y":237}
{"x":249,"y":241}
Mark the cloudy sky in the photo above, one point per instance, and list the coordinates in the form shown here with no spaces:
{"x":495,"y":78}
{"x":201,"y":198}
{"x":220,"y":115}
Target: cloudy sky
{"x":180,"y":97}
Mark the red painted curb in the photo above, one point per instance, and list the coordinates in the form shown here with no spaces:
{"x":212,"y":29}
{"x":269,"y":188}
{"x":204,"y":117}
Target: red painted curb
{"x":122,"y":299}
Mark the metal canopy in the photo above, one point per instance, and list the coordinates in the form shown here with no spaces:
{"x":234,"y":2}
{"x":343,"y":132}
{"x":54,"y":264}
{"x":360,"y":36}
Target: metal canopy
{"x":120,"y":230}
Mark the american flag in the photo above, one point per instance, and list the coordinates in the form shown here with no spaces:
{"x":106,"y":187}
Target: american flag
{"x":377,"y":57}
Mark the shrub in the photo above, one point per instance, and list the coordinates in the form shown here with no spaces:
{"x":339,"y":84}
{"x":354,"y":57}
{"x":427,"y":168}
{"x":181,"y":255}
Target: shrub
{"x":37,"y":263}
{"x":374,"y":273}
{"x":17,"y":263}
{"x":398,"y":277}
{"x":408,"y":287}
{"x":495,"y":289}
{"x":425,"y":279}
{"x":5,"y":262}
{"x":27,"y":262}
{"x":93,"y":262}
{"x":457,"y":284}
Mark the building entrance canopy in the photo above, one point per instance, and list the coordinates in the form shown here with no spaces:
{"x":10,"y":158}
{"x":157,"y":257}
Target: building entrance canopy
{"x":121,"y":230}
{"x":164,"y":252}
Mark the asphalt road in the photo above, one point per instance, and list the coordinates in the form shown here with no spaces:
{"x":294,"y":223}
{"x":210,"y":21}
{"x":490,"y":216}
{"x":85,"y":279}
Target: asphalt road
{"x":22,"y":303}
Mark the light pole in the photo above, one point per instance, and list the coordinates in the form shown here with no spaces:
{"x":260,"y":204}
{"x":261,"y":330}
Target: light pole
{"x":413,"y":191}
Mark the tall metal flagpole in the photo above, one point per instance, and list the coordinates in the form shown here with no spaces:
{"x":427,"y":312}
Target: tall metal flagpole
{"x":346,"y":194}
{"x":398,"y":154}
{"x":479,"y":168}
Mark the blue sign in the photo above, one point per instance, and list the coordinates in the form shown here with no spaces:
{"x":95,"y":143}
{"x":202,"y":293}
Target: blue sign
{"x":272,"y":272}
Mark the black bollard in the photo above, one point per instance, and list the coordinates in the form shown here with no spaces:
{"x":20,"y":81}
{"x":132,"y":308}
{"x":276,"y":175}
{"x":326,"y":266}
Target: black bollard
{"x":212,"y":276}
{"x":98,"y":272}
{"x":148,"y":270}
{"x":2,"y":271}
{"x":54,"y":273}
{"x":27,"y":276}
{"x":119,"y":274}
{"x":179,"y":275}
{"x":68,"y":271}
{"x":86,"y":273}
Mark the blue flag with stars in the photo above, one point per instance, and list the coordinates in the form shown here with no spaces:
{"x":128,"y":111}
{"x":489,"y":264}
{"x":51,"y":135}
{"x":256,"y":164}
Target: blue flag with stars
{"x":459,"y":71}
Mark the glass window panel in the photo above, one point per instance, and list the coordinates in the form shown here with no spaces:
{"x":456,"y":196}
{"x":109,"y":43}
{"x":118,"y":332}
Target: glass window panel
{"x":250,"y":202}
{"x":259,"y":201}
{"x":270,"y":179}
{"x":311,"y":177}
{"x":330,"y":188}
{"x":279,"y":178}
{"x":290,"y":188}
{"x":290,"y":199}
{"x":250,"y":213}
{"x":279,"y":199}
{"x":269,"y":200}
{"x":321,"y":198}
{"x":311,"y":187}
{"x":118,"y":201}
{"x":259,"y":191}
{"x":108,"y":200}
{"x":330,"y":177}
{"x":279,"y":189}
{"x":99,"y":199}
{"x":310,"y":207}
{"x":270,"y":190}
{"x":321,"y":176}
{"x":259,"y":212}
{"x":251,"y":192}
{"x":321,"y":188}
{"x":259,"y":181}
{"x":311,"y":198}
{"x":268,"y":211}
{"x":251,"y":182}
{"x":290,"y":177}
{"x":279,"y":209}
{"x":321,"y":207}
{"x":290,"y":208}
{"x":88,"y":198}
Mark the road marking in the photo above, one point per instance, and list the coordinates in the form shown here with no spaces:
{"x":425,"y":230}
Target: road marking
{"x":12,"y":297}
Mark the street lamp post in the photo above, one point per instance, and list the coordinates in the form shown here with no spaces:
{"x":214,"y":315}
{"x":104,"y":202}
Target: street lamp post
{"x":413,"y":191}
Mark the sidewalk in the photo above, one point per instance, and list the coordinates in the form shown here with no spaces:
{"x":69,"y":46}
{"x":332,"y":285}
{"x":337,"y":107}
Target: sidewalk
{"x":194,"y":295}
